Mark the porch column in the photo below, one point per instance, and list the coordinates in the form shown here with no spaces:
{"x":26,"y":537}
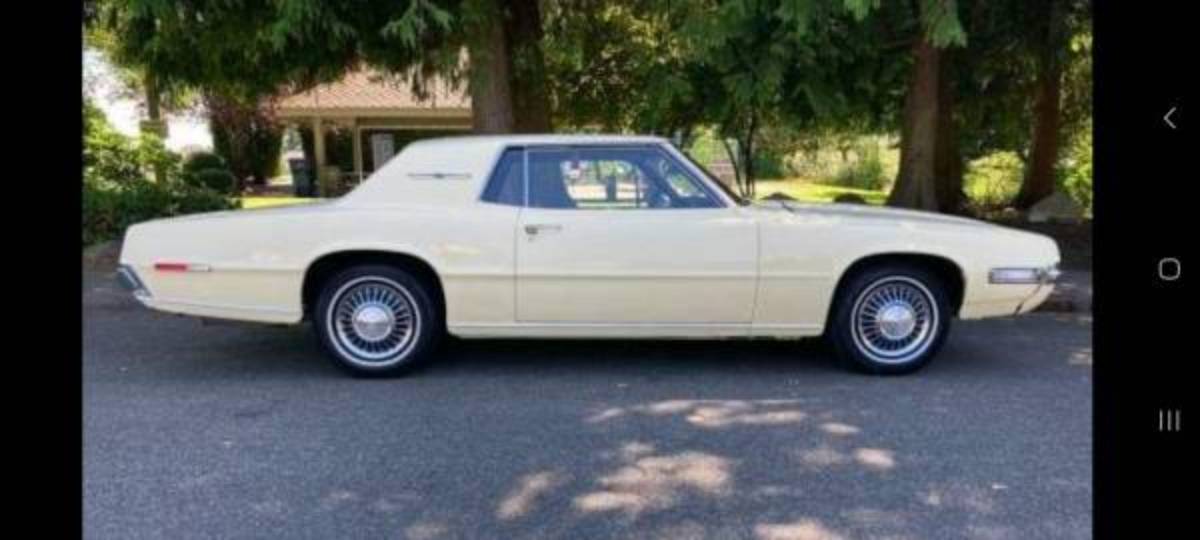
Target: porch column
{"x":319,"y":155}
{"x":358,"y":157}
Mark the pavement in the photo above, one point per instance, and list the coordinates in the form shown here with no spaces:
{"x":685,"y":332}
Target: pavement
{"x":245,"y":431}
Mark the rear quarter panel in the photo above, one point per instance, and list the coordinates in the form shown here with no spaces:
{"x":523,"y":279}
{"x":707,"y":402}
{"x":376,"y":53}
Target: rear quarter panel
{"x":258,"y":258}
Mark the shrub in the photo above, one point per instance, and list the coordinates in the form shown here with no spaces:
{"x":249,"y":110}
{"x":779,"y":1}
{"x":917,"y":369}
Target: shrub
{"x":217,"y":180}
{"x":110,"y":157}
{"x":208,"y":170}
{"x":109,"y":209}
{"x":849,"y":198}
{"x":156,"y":159}
{"x":118,"y":189}
{"x":201,"y":161}
{"x":190,"y":200}
{"x":770,"y":164}
{"x":1075,"y":173}
{"x":992,"y":181}
{"x":866,"y":171}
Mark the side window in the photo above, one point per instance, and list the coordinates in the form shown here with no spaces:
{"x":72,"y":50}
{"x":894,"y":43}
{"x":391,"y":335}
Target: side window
{"x":507,"y":184}
{"x":612,"y":178}
{"x":550,"y":172}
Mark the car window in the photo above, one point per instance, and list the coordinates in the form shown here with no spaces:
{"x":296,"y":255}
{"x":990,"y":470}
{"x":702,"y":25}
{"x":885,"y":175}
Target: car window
{"x":507,"y":184}
{"x":617,"y":178}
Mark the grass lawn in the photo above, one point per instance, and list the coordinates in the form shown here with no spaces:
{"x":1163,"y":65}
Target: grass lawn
{"x":804,"y":190}
{"x":266,"y":202}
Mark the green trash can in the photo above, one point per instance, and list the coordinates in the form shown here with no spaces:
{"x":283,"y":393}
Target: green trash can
{"x":303,"y":180}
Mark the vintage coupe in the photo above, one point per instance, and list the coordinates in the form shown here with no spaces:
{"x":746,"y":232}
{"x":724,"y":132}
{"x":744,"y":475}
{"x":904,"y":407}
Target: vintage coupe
{"x":553,"y":236}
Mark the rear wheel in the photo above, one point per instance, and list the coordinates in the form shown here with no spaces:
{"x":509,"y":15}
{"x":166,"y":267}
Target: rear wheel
{"x":377,"y":320}
{"x":891,"y":319}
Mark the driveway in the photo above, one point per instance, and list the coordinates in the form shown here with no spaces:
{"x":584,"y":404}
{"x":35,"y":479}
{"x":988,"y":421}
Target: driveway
{"x":242,"y":431}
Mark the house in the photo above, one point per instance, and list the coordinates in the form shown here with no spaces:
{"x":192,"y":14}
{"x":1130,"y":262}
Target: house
{"x":379,"y":114}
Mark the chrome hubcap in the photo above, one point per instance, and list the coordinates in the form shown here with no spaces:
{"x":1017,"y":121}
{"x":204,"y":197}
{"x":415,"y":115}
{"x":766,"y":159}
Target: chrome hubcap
{"x":373,"y":320}
{"x":894,"y":320}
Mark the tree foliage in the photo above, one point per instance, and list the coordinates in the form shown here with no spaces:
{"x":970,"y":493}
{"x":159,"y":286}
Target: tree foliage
{"x":956,"y":79}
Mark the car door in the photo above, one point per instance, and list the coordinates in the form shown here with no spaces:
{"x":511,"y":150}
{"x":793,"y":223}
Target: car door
{"x":628,"y":235}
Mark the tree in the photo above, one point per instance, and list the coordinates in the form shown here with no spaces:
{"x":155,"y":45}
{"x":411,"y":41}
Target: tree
{"x":741,"y":65}
{"x":106,"y":29}
{"x":926,"y":101}
{"x":259,"y":47}
{"x":1051,"y":39}
{"x":247,"y":135}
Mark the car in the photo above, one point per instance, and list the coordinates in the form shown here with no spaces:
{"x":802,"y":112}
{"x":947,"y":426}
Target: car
{"x":584,"y":236}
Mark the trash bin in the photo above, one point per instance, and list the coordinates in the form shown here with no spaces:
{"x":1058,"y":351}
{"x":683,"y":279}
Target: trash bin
{"x":303,"y":183}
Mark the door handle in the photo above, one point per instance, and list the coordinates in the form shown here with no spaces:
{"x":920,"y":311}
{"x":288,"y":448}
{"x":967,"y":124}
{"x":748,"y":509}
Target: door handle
{"x":533,"y":229}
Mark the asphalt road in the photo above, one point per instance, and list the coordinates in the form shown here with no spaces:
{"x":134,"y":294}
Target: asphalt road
{"x":243,"y":431}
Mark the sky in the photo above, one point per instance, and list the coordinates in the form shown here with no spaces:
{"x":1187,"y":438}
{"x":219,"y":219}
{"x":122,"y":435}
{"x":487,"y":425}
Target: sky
{"x":102,"y":85}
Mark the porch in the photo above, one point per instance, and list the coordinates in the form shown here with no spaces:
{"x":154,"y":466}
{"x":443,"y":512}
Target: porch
{"x":353,"y":126}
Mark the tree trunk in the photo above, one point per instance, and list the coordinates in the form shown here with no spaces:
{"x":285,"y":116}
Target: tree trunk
{"x":153,"y":98}
{"x":531,"y":100}
{"x":948,"y":167}
{"x":915,"y":185}
{"x":1047,"y":109}
{"x":748,"y":156}
{"x":737,"y":169}
{"x":154,"y":116}
{"x":490,"y":83}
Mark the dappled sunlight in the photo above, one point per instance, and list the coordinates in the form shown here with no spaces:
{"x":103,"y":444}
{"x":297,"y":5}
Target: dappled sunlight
{"x":822,"y":456}
{"x":875,"y":518}
{"x":875,"y":458}
{"x":338,"y":498}
{"x":522,"y":499}
{"x":974,"y":499}
{"x":825,"y":456}
{"x":838,"y":428}
{"x":658,"y":482}
{"x":426,"y":530}
{"x":803,"y":529}
{"x":713,"y":413}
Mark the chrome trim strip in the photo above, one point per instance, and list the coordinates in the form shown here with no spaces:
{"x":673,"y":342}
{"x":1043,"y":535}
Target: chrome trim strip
{"x":1037,"y":275}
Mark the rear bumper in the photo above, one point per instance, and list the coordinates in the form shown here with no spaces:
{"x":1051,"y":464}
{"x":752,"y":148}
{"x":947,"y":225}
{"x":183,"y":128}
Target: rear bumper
{"x":128,"y":279}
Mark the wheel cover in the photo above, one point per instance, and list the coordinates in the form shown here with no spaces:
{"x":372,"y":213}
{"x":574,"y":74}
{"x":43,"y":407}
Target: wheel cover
{"x":894,"y":320}
{"x":373,"y":321}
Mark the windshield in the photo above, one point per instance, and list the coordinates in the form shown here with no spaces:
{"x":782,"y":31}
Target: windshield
{"x":741,"y":201}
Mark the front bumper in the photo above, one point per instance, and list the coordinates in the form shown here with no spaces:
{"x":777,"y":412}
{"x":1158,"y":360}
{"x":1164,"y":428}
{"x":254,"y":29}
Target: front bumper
{"x":1006,"y":291}
{"x":1027,"y":275}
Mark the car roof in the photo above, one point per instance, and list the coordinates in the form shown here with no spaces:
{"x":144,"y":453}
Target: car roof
{"x":544,"y":138}
{"x":451,"y":171}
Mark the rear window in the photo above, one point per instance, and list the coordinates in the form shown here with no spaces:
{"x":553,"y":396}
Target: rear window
{"x":507,"y":183}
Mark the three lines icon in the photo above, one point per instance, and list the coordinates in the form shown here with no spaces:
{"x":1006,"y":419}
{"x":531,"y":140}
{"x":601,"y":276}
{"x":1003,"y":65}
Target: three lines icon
{"x":1170,"y":420}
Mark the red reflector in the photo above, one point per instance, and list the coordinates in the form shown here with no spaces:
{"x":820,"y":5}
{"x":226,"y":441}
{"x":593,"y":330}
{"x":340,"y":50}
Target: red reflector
{"x":171,"y":267}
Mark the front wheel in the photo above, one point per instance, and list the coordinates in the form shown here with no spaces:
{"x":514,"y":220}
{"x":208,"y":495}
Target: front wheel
{"x":377,"y":320}
{"x":890,"y":320}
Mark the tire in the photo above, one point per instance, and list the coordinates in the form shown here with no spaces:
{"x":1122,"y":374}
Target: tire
{"x":377,"y":321}
{"x":889,"y":319}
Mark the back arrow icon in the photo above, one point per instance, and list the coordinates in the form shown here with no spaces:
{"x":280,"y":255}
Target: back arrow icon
{"x":1167,"y":117}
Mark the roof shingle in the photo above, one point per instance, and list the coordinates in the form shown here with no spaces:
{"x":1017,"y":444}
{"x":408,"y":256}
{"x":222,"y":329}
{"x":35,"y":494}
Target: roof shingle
{"x":365,"y":90}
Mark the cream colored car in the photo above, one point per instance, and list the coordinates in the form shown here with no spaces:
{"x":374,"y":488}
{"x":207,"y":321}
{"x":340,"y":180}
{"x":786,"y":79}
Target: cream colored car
{"x":551,"y":236}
